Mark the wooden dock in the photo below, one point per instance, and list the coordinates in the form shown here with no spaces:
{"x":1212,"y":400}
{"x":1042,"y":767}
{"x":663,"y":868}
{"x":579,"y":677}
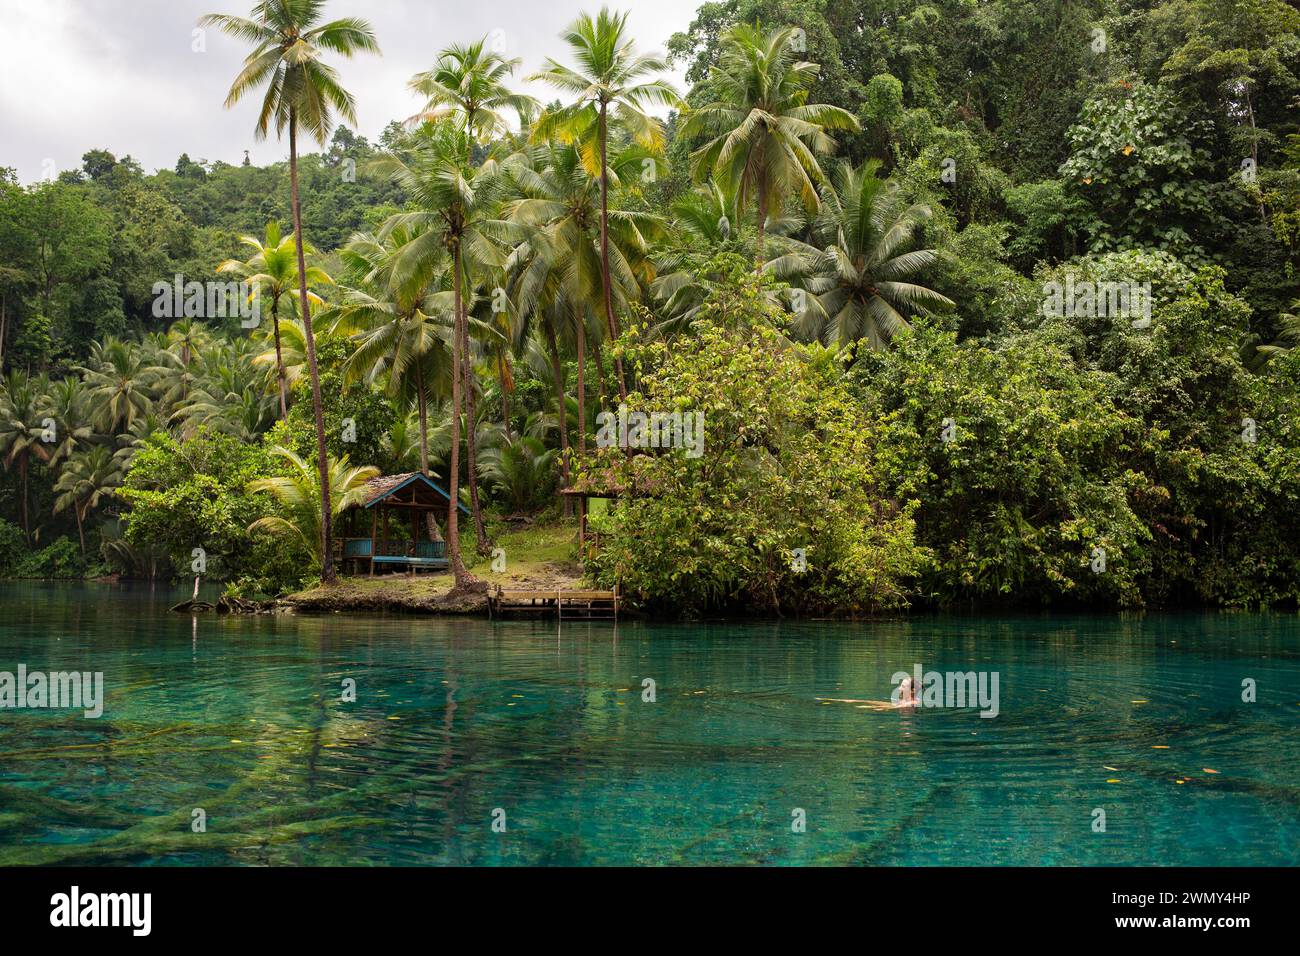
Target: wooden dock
{"x":573,"y":605}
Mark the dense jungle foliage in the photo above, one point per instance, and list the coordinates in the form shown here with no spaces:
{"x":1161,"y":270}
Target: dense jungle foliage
{"x":982,"y":302}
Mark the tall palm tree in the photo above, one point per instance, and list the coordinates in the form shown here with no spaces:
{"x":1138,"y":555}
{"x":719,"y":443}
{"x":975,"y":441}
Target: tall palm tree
{"x":610,"y":75}
{"x":855,"y":266}
{"x":555,"y":272}
{"x":302,"y":91}
{"x":21,"y":430}
{"x":765,"y":135}
{"x":296,"y":494}
{"x":88,"y":477}
{"x":401,"y":328}
{"x":468,"y":82}
{"x":454,"y":225}
{"x":272,"y":270}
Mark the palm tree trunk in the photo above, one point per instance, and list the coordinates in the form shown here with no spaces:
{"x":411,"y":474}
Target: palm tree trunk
{"x":453,"y":479}
{"x":600,"y":377}
{"x":322,"y":464}
{"x":279,"y":361}
{"x":81,"y":534}
{"x":582,"y":388}
{"x":22,"y":477}
{"x":604,"y":253}
{"x":4,"y":317}
{"x":471,"y":446}
{"x":562,"y":408}
{"x":762,"y":218}
{"x":422,"y":402}
{"x":503,"y":370}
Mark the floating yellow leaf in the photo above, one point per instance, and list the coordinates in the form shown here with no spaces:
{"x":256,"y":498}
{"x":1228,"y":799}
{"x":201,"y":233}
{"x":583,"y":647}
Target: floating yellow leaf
{"x":236,"y":741}
{"x":1111,"y":769}
{"x":1112,"y":780}
{"x":1139,"y":702}
{"x":520,"y":696}
{"x":1208,"y":770}
{"x":1159,"y":746}
{"x":394,"y":718}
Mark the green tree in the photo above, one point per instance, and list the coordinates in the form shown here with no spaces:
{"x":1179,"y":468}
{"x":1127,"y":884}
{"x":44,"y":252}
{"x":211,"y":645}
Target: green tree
{"x":610,"y":76}
{"x":88,"y":477}
{"x":272,"y":270}
{"x":855,"y":268}
{"x":302,"y":91}
{"x":297,"y":496}
{"x":765,"y":135}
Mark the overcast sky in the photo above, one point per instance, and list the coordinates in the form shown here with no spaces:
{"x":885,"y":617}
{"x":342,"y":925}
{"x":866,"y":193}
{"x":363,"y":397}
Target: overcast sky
{"x":122,"y":74}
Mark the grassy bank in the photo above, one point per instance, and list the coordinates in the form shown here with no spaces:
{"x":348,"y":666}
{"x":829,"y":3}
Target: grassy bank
{"x":539,"y":556}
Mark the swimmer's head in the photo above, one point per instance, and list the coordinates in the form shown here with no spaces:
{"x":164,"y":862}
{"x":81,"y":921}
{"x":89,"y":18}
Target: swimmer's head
{"x":905,"y":690}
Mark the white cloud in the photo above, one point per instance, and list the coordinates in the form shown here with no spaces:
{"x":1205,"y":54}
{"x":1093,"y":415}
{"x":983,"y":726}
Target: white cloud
{"x":121,"y":74}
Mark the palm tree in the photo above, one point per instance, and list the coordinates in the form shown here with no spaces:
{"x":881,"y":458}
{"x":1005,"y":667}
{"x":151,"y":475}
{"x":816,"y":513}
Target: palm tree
{"x":65,"y":407}
{"x":296,"y":494}
{"x":231,"y":396}
{"x":88,"y":477}
{"x":555,"y":272}
{"x":272,"y":270}
{"x":120,"y":382}
{"x":1255,"y":354}
{"x":468,"y":81}
{"x":518,"y":469}
{"x":765,"y":135}
{"x":400,"y":328}
{"x":610,"y":75}
{"x":301,"y":91}
{"x":855,"y":267}
{"x":21,"y":430}
{"x":704,"y":222}
{"x":454,"y":225}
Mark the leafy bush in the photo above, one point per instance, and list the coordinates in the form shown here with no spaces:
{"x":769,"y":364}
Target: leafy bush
{"x":194,"y":494}
{"x":786,"y":473}
{"x":1015,"y":461}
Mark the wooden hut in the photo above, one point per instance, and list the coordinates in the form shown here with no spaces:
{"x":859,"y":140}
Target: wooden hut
{"x":395,"y":525}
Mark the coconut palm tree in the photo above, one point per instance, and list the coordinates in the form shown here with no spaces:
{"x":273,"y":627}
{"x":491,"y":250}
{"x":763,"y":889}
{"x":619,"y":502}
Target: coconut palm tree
{"x":272,"y":270}
{"x":764,"y":134}
{"x":468,"y":82}
{"x":120,"y":380}
{"x":297,"y":495}
{"x":610,"y":75}
{"x":555,"y":273}
{"x":401,"y":329}
{"x":454,"y":227}
{"x":66,"y":408}
{"x":855,"y":268}
{"x":302,"y":92}
{"x":87,"y":478}
{"x":22,"y":430}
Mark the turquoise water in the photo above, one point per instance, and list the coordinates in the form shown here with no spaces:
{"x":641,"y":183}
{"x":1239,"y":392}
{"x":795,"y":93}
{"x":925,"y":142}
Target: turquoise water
{"x":243,"y":717}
